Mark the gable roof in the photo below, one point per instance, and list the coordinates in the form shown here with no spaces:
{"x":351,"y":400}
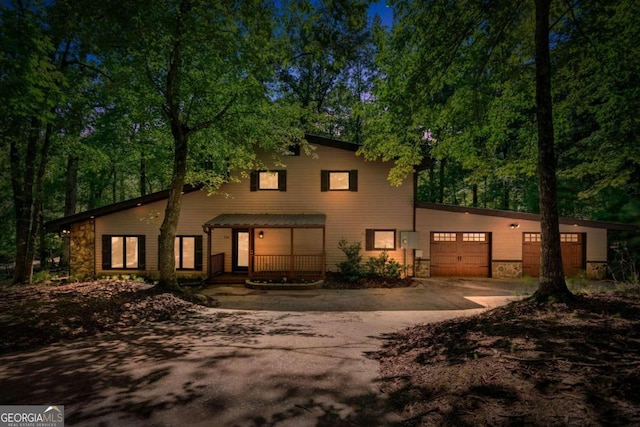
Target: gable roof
{"x":59,"y":224}
{"x":525,"y":216}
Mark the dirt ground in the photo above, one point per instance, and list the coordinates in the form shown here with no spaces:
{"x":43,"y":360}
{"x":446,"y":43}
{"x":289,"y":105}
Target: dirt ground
{"x":519,"y":364}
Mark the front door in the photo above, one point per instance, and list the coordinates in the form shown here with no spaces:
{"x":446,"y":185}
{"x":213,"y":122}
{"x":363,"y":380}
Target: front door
{"x":240,"y":250}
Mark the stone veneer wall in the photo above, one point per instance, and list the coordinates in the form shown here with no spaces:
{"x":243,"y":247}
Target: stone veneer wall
{"x":596,"y":270}
{"x":82,"y":262}
{"x":423,"y":268}
{"x":506,"y":269}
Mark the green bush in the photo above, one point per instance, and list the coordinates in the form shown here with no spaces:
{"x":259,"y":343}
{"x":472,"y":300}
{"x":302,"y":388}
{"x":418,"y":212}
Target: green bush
{"x":351,"y":269}
{"x":383,"y":266}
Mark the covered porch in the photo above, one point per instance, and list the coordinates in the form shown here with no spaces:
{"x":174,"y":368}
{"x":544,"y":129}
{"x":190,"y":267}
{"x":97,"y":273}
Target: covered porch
{"x":267,"y":246}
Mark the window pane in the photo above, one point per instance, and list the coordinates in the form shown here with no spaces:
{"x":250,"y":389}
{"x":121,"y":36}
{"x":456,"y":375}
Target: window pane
{"x":474,"y":237}
{"x":444,"y":237}
{"x":338,"y":180}
{"x":132,"y":252}
{"x":176,"y":251}
{"x":384,"y":239}
{"x":116,"y":252}
{"x":188,"y":252}
{"x":268,"y":181}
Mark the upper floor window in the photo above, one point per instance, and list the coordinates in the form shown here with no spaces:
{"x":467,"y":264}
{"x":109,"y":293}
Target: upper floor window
{"x":339,"y":180}
{"x":269,"y":180}
{"x":123,"y":252}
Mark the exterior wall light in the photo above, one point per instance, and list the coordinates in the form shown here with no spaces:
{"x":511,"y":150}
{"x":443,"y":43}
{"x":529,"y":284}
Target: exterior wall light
{"x":514,"y":225}
{"x":261,"y":234}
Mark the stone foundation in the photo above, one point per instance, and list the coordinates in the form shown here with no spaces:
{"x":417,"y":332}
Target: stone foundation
{"x":82,"y":260}
{"x":423,"y":268}
{"x":506,"y":269}
{"x":596,"y":270}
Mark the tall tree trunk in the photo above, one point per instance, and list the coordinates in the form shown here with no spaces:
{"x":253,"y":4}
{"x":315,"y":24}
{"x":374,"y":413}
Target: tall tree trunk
{"x":552,"y":283}
{"x":441,"y":183}
{"x":169,"y":227}
{"x":70,"y":203}
{"x":27,"y":194}
{"x":506,"y":195}
{"x":143,"y":175}
{"x":474,"y":190}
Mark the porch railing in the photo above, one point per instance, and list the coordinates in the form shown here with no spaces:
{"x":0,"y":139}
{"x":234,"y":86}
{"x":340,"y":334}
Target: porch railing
{"x":289,"y":266}
{"x":217,"y":264}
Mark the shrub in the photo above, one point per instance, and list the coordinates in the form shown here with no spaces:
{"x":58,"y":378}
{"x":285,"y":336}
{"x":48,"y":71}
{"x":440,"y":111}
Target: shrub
{"x":384,"y":266}
{"x":351,"y":270}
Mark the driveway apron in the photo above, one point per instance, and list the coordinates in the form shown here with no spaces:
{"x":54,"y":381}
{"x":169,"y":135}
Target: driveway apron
{"x":283,"y":364}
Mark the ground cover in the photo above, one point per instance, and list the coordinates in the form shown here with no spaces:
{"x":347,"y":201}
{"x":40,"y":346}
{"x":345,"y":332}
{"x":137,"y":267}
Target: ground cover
{"x":521,"y":364}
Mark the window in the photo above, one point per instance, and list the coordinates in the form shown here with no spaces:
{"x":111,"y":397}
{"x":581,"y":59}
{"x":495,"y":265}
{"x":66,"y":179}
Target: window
{"x":123,"y":252}
{"x":474,"y":237}
{"x":380,"y":239}
{"x":188,"y":252}
{"x":444,"y":237}
{"x":532,"y":237}
{"x":269,"y":180}
{"x":569,"y":237}
{"x":339,"y":180}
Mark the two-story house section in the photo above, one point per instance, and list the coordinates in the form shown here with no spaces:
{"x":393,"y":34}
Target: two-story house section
{"x":284,"y":221}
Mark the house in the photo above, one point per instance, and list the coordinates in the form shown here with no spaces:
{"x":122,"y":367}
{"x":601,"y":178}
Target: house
{"x":287,"y":221}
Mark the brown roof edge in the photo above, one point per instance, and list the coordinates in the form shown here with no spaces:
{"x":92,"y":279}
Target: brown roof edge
{"x":61,"y":223}
{"x":330,"y":142}
{"x":525,"y":216}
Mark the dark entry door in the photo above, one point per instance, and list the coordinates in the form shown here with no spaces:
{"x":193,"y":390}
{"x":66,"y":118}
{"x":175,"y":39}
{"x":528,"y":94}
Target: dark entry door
{"x":240,"y":250}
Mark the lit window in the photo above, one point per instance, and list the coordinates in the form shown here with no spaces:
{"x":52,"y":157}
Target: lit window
{"x":380,"y":239}
{"x":532,"y":237}
{"x":188,"y":252}
{"x":339,"y":180}
{"x":474,"y":237}
{"x":444,"y":237}
{"x":569,"y":237}
{"x":123,"y":252}
{"x":269,"y":180}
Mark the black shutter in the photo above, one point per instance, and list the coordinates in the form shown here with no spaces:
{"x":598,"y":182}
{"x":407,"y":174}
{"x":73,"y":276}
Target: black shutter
{"x":324,"y":180}
{"x":106,"y":252}
{"x":353,"y":180}
{"x":142,"y":253}
{"x":254,"y":180}
{"x":370,"y":239}
{"x":282,"y":180}
{"x":198,"y":254}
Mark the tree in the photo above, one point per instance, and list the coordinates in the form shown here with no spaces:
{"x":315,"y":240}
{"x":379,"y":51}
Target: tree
{"x":458,"y":82}
{"x":552,"y":283}
{"x":204,"y":71}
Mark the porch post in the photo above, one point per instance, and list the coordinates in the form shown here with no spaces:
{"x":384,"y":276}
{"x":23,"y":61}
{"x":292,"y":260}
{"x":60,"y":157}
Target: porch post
{"x":291,"y":262}
{"x":251,"y":250}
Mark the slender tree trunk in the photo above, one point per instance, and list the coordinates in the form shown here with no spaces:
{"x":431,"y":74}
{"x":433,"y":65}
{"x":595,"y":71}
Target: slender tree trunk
{"x":552,"y":283}
{"x":441,"y":183}
{"x":474,"y":190}
{"x":168,"y":229}
{"x":70,"y":203}
{"x":143,"y":175}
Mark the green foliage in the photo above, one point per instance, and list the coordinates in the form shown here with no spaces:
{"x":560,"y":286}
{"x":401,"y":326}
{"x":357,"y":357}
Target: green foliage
{"x":625,"y":265}
{"x":351,"y":269}
{"x":383,"y":266}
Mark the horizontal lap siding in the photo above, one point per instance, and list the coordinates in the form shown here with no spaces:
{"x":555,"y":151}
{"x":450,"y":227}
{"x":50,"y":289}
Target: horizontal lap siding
{"x":375,"y":205}
{"x":506,"y":243}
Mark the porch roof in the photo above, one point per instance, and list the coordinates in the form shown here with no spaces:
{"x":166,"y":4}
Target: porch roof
{"x":267,"y":220}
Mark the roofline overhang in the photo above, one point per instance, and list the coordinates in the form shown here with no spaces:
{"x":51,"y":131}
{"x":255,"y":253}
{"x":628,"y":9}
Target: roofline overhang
{"x":525,"y":216}
{"x":59,"y":224}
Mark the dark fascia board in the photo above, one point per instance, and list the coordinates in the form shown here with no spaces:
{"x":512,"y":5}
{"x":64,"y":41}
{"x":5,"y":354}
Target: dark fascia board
{"x":526,"y":216}
{"x":59,"y":224}
{"x":330,"y":142}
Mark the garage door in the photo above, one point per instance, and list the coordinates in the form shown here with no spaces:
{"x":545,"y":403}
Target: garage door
{"x":571,"y":245}
{"x":460,"y":254}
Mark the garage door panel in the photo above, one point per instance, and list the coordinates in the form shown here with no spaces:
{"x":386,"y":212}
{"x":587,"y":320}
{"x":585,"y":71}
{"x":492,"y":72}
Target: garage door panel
{"x":571,"y":246}
{"x":457,"y":256}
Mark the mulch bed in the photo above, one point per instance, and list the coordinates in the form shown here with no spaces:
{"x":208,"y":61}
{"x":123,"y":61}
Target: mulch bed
{"x":521,"y":364}
{"x":334,"y":280}
{"x":35,"y":315}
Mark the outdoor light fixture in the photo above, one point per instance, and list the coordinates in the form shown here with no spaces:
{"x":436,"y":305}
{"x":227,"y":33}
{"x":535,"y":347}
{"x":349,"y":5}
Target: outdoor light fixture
{"x":514,"y":225}
{"x":261,"y":234}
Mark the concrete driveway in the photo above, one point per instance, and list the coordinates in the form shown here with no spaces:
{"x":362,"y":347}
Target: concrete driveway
{"x":276,"y":366}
